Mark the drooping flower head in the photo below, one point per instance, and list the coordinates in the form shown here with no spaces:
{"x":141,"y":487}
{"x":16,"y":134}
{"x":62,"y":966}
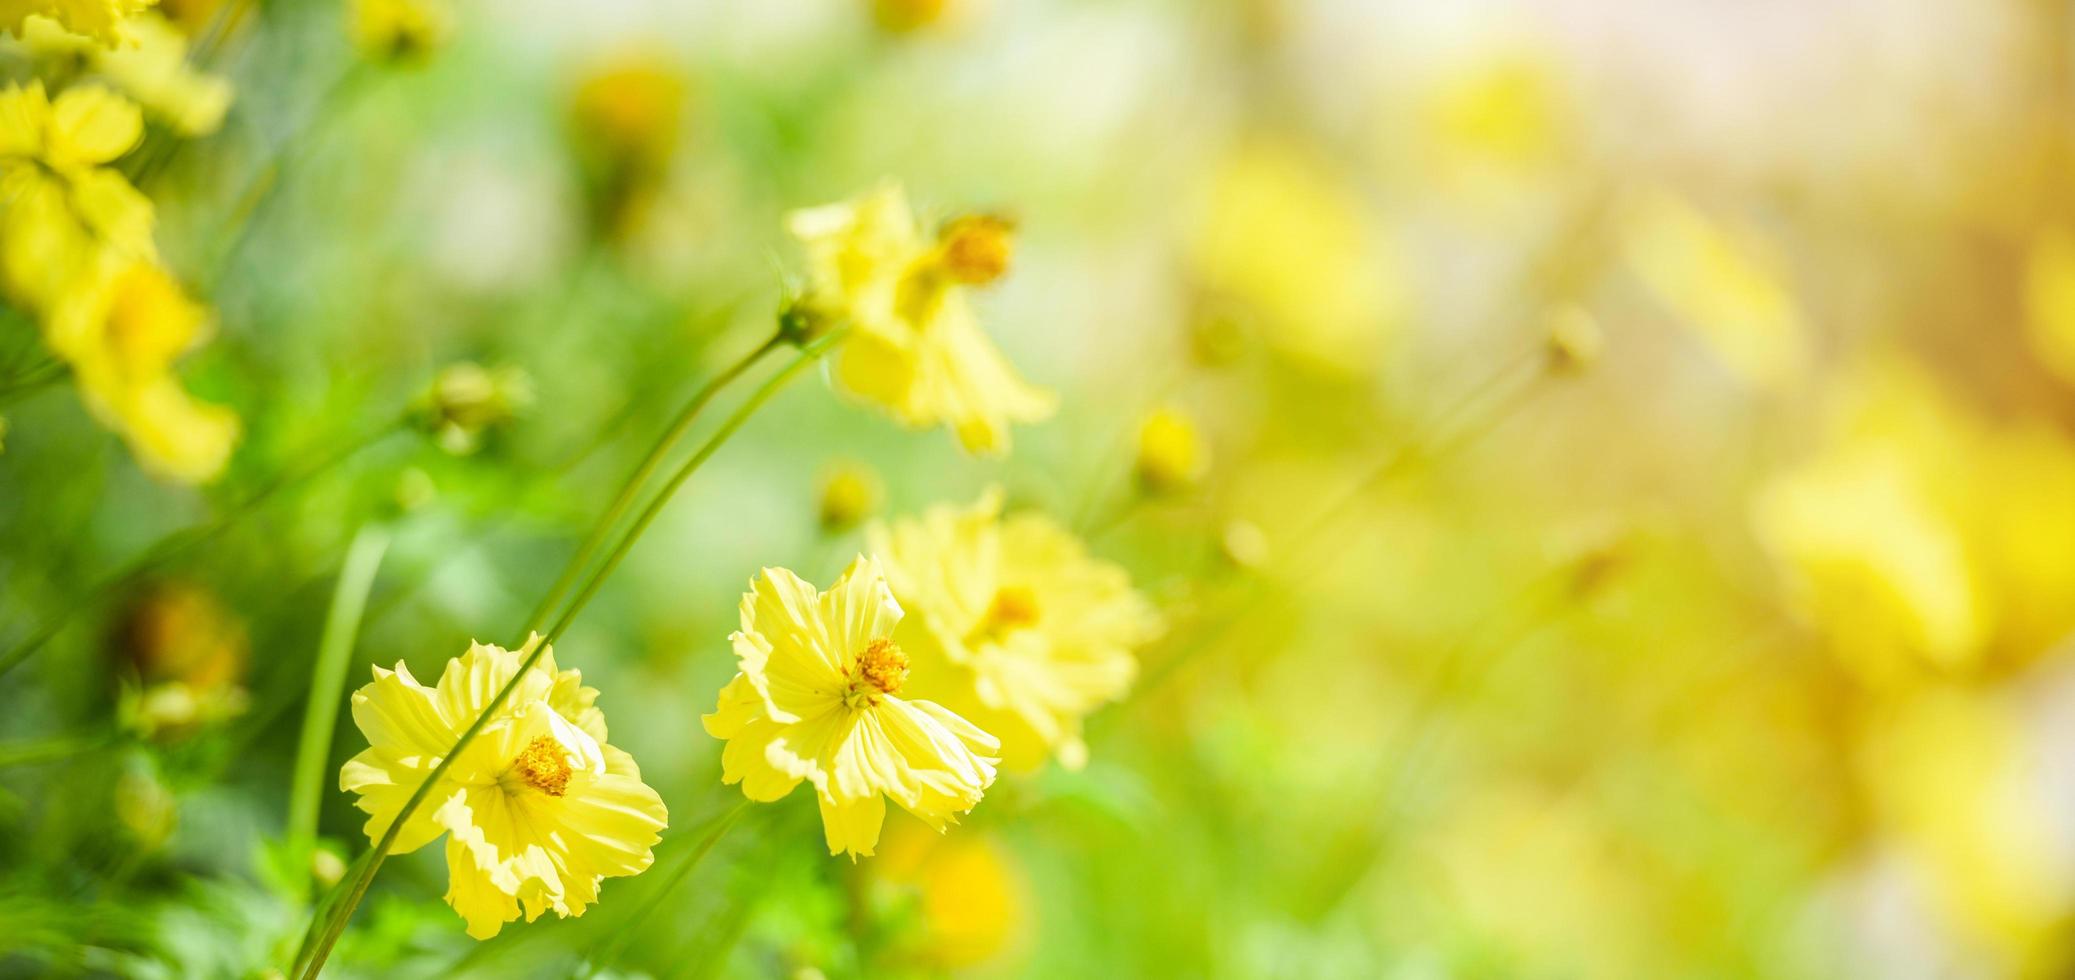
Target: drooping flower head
{"x":919,"y":352}
{"x":1013,"y":624}
{"x":819,"y":699}
{"x":538,"y":809}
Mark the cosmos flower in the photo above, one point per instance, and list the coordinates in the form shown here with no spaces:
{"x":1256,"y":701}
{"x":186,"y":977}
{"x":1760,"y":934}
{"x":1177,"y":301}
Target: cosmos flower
{"x":121,"y":333}
{"x":919,"y":352}
{"x":817,"y":699}
{"x":1013,"y":623}
{"x":154,"y":70}
{"x":61,"y":205}
{"x":106,"y":21}
{"x":537,"y":810}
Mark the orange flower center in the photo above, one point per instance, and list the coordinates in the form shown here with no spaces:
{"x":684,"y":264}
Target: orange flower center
{"x":1012,"y":608}
{"x":544,"y":764}
{"x":976,"y":249}
{"x":883,"y":665}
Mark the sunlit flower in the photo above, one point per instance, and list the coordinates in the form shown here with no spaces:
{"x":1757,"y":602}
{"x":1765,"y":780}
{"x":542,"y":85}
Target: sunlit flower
{"x":919,"y":353}
{"x":538,"y":809}
{"x":399,"y":30}
{"x":1013,"y":624}
{"x":1171,"y":455}
{"x":106,"y":21}
{"x":817,"y":699}
{"x":154,"y":70}
{"x":121,"y":334}
{"x":61,"y":206}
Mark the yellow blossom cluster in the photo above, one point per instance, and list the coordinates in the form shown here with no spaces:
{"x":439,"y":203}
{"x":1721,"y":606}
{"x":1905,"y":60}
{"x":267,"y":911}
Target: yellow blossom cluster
{"x":76,"y":251}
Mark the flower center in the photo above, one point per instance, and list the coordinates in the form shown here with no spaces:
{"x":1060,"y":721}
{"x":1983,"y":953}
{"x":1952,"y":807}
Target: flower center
{"x":881,"y":669}
{"x":1012,"y":608}
{"x":976,"y":248}
{"x":544,"y":764}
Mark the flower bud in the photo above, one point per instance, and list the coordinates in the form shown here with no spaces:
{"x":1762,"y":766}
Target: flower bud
{"x":466,"y":399}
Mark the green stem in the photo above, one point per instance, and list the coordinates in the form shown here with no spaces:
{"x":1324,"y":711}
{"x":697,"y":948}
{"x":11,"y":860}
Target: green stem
{"x":179,"y":542}
{"x":808,"y":355}
{"x":355,"y":887}
{"x":620,"y":936}
{"x":639,"y":478}
{"x":328,"y":682}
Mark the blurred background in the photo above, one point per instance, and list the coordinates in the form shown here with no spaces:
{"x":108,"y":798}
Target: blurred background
{"x":1609,"y":483}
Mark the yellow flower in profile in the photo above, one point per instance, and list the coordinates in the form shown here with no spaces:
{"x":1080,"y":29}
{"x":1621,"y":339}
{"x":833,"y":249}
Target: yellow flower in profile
{"x":817,"y":699}
{"x":61,"y":206}
{"x":106,"y":21}
{"x":121,"y":334}
{"x":1013,"y":624}
{"x":154,"y":70}
{"x":399,"y":30}
{"x":1171,"y":456}
{"x":537,"y":810}
{"x":919,"y":352}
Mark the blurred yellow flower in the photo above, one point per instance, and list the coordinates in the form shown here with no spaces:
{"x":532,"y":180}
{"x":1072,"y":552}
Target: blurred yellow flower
{"x":968,"y":892}
{"x":399,"y":30}
{"x":121,"y":335}
{"x":1171,"y":455}
{"x":624,"y":122}
{"x":1720,"y":284}
{"x":61,"y":206}
{"x":106,"y":21}
{"x":538,"y":809}
{"x":1283,"y":235}
{"x":154,"y":70}
{"x":816,"y":700}
{"x":1954,"y":784}
{"x":1013,"y":624}
{"x":2050,"y":301}
{"x":850,"y":492}
{"x":910,"y":15}
{"x":919,"y":352}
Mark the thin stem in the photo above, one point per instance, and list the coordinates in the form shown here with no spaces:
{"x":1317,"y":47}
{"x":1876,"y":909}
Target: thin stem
{"x":328,"y":681}
{"x":808,"y":355}
{"x":355,"y":888}
{"x":179,"y":542}
{"x":620,"y":936}
{"x":639,"y":478}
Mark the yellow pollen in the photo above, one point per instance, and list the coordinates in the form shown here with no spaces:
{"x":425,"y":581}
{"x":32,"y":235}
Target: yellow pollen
{"x":545,"y":764}
{"x":883,"y":666}
{"x":976,"y":248}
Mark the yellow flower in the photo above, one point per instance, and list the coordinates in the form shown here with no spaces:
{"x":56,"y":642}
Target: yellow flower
{"x":154,"y":70}
{"x":919,"y":352}
{"x":1170,"y":451}
{"x":967,"y":891}
{"x":538,"y":809}
{"x":399,"y":30}
{"x":2050,"y":301}
{"x":61,"y":207}
{"x":816,"y":700}
{"x":1013,"y":624}
{"x":1284,"y":237}
{"x":106,"y":21}
{"x":121,"y":334}
{"x":850,"y":492}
